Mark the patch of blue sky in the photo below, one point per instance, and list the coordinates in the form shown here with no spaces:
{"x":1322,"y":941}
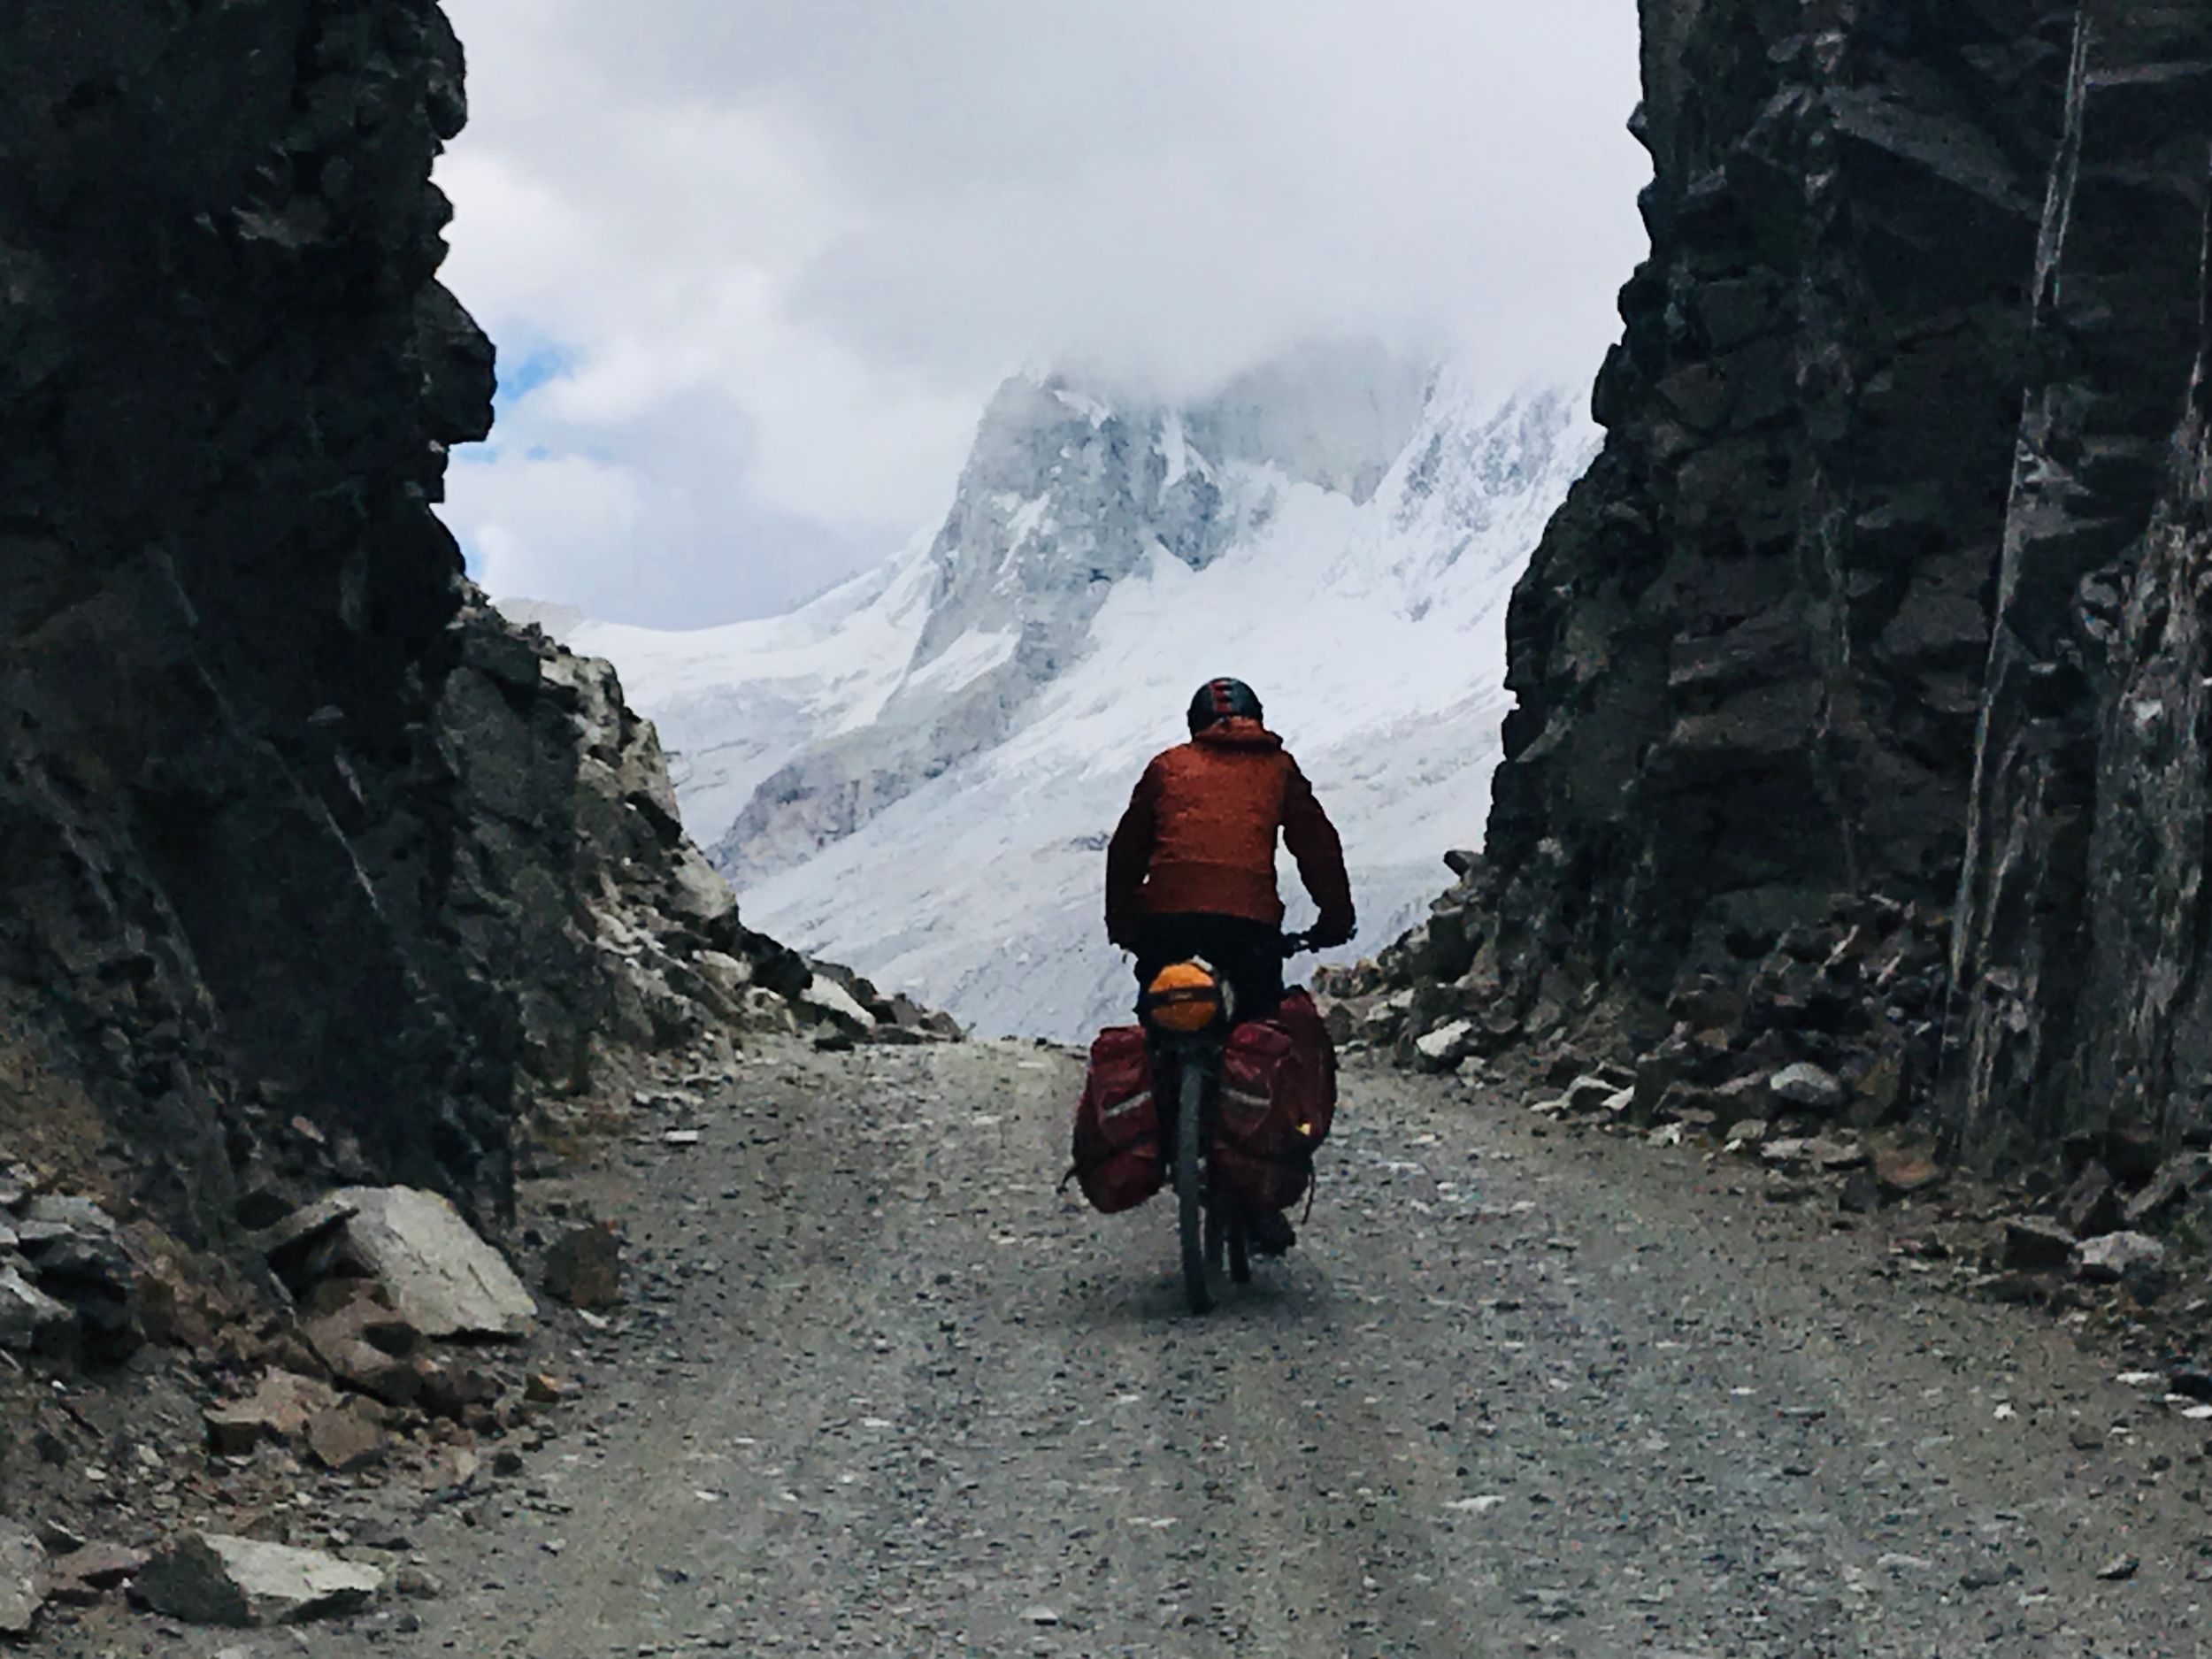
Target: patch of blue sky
{"x":534,"y":364}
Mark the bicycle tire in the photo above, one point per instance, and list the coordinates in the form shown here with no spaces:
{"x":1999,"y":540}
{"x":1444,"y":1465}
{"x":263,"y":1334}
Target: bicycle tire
{"x":1190,"y":1193}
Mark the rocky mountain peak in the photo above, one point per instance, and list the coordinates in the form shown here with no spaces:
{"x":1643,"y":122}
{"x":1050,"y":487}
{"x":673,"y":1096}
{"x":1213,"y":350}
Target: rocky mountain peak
{"x":1072,"y":491}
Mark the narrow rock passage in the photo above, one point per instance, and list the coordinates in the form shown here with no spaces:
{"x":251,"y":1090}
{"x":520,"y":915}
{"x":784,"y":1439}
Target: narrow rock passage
{"x":1513,"y":1394}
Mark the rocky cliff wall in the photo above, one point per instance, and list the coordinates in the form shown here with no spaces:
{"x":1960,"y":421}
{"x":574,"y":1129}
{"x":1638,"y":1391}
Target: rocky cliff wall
{"x":1747,"y":654}
{"x":1860,"y":629}
{"x":307,"y":860}
{"x":2081,"y":941}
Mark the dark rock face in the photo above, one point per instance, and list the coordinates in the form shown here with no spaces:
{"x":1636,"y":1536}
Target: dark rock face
{"x":304,"y":855}
{"x":2081,"y":938}
{"x":1869,"y":608}
{"x":1748,"y":651}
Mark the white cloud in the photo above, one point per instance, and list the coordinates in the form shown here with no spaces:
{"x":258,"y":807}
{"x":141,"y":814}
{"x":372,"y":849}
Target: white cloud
{"x":785,"y":248}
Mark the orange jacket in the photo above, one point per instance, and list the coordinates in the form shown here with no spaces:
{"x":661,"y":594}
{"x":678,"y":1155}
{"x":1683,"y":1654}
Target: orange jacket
{"x":1199,"y":836}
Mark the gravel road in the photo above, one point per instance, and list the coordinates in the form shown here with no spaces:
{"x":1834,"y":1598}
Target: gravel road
{"x":884,"y":1393}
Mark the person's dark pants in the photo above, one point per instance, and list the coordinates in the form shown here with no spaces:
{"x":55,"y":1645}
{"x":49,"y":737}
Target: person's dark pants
{"x":1248,"y":954}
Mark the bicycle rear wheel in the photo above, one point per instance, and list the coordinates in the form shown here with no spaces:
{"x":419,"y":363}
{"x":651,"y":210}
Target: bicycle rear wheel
{"x":1190,"y":1190}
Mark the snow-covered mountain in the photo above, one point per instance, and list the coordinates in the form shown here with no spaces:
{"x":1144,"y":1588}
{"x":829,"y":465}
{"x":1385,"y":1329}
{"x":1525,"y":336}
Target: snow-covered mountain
{"x":917,"y":773}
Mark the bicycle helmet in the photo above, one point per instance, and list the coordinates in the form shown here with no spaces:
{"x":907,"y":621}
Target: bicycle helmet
{"x":1219,"y":700}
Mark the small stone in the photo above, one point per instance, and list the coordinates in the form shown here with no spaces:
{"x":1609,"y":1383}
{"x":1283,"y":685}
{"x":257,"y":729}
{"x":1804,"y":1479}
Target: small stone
{"x":417,"y":1584}
{"x":2081,"y":1437}
{"x":1751,"y":1131}
{"x":1862,"y":1193}
{"x":583,"y":1268}
{"x":2119,"y":1568}
{"x":543,"y":1389}
{"x":1807,"y":1088}
{"x":2032,"y":1243}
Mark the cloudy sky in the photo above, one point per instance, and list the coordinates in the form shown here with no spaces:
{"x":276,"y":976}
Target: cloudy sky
{"x":753,"y":265}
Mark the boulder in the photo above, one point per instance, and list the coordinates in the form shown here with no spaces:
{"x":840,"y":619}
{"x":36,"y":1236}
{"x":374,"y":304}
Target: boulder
{"x":698,"y":892}
{"x":456,"y":1392}
{"x":2032,"y":1243}
{"x":214,"y":1579}
{"x":762,"y":1010}
{"x":2115,"y":1256}
{"x":1589,"y":1093}
{"x":1381,"y":1023}
{"x":1658,"y":1077}
{"x":826,"y":999}
{"x":583,"y":1267}
{"x":29,"y":1318}
{"x":1446,"y":1048}
{"x":278,"y":1410}
{"x":2093,"y":1204}
{"x":1904,"y":1171}
{"x":355,"y":1331}
{"x":24,"y":1580}
{"x":75,"y":1250}
{"x":1862,"y":1193}
{"x":442,"y":1280}
{"x":1835,"y":1156}
{"x":1342,"y":1017}
{"x":1807,"y":1088}
{"x":2168,"y":1189}
{"x":1786,"y":1153}
{"x":727,"y":974}
{"x":1744,"y":1095}
{"x":942,"y":1027}
{"x":85,"y":1574}
{"x":347,"y":1436}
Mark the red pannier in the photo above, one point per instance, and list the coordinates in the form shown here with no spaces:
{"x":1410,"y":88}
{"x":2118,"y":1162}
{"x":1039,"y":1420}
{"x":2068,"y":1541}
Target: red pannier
{"x":1277,"y":1103}
{"x":1118,"y":1157}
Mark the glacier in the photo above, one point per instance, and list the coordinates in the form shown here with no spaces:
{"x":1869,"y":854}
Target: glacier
{"x":917,"y":773}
